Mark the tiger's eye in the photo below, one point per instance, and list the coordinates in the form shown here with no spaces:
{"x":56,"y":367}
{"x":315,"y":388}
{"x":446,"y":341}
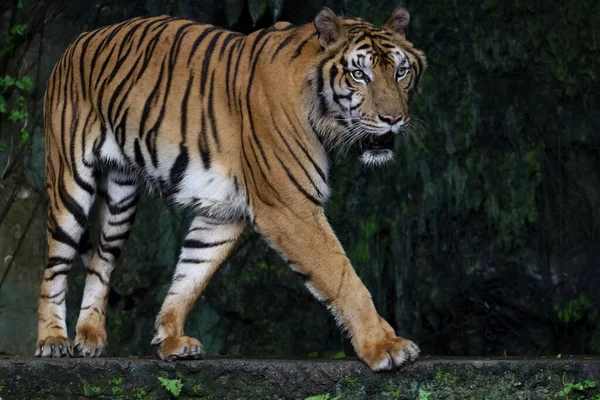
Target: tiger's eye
{"x":401,"y":73}
{"x":358,"y":75}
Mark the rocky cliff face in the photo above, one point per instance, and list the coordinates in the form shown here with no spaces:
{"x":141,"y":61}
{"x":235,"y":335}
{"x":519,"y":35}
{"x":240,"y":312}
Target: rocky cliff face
{"x":483,"y":237}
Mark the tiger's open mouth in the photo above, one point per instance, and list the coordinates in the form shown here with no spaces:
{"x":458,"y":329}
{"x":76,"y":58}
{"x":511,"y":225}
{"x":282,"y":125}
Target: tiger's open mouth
{"x":376,"y":149}
{"x":376,"y":142}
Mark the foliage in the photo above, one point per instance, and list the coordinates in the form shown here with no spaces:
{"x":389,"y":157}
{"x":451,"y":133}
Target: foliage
{"x":424,"y":395}
{"x":576,"y":390}
{"x":575,"y":309}
{"x":13,"y":91}
{"x":326,"y":396}
{"x":172,"y":386}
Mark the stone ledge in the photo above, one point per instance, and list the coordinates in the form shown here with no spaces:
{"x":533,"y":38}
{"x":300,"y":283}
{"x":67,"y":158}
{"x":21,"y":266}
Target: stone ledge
{"x":224,"y":378}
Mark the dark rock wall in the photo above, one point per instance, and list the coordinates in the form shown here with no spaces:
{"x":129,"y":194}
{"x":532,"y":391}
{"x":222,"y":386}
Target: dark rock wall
{"x":483,"y":237}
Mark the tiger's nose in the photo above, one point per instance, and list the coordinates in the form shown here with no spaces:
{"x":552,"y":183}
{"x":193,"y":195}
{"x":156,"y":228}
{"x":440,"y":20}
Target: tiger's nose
{"x":391,"y":119}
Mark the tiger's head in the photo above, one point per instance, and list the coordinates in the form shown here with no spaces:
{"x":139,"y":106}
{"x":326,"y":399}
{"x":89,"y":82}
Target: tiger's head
{"x":362,"y":82}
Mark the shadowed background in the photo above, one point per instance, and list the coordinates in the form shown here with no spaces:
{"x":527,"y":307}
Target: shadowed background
{"x":483,"y":238}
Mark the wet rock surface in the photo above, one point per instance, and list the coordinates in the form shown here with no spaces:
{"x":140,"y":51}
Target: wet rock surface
{"x":222,"y":378}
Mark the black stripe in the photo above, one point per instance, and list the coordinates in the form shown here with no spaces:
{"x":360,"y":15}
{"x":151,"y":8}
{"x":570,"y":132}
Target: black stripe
{"x":120,"y":207}
{"x":63,"y":237}
{"x":194,"y":260}
{"x":44,"y":296}
{"x":54,"y":261}
{"x":203,"y":144}
{"x":296,"y":158}
{"x":235,"y":73}
{"x":128,"y":220}
{"x":211,"y":112}
{"x":198,"y":244}
{"x":297,"y":184}
{"x":304,"y":150}
{"x":282,"y":45}
{"x":139,"y":157}
{"x":206,"y":62}
{"x":226,"y":41}
{"x":117,"y":237}
{"x":55,"y":274}
{"x":100,"y":277}
{"x":301,"y":46}
{"x":248,"y":102}
{"x":179,"y":167}
{"x":114,"y":251}
{"x":197,"y":42}
{"x":231,"y":50}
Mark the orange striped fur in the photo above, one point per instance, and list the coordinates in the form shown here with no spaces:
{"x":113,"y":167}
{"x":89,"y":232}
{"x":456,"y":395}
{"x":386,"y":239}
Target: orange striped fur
{"x":235,"y":127}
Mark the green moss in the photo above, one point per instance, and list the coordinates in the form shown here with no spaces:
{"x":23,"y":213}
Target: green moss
{"x":90,"y":390}
{"x":446,"y":376}
{"x":139,"y":394}
{"x":196,"y":388}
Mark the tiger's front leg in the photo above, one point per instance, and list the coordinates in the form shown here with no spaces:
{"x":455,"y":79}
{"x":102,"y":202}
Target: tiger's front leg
{"x":312,"y":250}
{"x":206,"y":246}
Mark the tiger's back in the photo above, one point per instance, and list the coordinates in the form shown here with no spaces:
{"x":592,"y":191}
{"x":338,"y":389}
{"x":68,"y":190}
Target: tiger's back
{"x":145,"y":94}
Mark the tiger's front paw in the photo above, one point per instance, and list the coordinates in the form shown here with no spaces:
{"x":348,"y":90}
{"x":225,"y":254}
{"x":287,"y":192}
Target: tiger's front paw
{"x":180,"y":348}
{"x":389,"y":354}
{"x":54,"y":346}
{"x":90,"y":341}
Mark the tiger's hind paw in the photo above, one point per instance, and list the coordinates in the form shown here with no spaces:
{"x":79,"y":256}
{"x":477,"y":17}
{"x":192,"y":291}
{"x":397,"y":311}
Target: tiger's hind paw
{"x":54,"y":346}
{"x":90,"y":341}
{"x":180,"y":348}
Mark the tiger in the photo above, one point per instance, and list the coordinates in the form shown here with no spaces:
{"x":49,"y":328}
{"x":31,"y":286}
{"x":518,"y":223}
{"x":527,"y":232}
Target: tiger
{"x":237,"y":128}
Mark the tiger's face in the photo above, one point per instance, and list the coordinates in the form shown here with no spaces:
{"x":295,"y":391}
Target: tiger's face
{"x":364,"y":82}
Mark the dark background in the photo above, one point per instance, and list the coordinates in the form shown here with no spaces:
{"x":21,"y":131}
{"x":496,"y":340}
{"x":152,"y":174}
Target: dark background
{"x":482,"y":239}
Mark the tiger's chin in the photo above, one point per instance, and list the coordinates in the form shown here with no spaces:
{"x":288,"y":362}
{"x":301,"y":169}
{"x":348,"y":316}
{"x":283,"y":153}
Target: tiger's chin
{"x":376,"y":150}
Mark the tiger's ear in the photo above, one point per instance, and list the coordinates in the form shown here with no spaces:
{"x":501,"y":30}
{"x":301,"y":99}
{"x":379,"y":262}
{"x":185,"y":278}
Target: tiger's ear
{"x":328,"y":27}
{"x":398,"y":21}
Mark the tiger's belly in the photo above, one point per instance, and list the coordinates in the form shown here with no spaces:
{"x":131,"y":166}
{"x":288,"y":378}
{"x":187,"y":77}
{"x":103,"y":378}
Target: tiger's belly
{"x":212,"y":192}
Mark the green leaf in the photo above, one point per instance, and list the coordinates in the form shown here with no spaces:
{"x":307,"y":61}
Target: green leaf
{"x":3,"y":145}
{"x":25,"y":83}
{"x":18,"y":115}
{"x":257,"y":9}
{"x":2,"y":104}
{"x":233,"y":10}
{"x":325,"y":396}
{"x":8,"y":81}
{"x":338,"y":356}
{"x":20,"y":4}
{"x":172,"y":386}
{"x":276,"y":7}
{"x":24,"y":134}
{"x":19,"y":30}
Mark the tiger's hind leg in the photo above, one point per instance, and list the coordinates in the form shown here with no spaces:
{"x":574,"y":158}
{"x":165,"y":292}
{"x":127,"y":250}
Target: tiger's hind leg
{"x":206,"y":246}
{"x":71,"y":191}
{"x":117,"y":214}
